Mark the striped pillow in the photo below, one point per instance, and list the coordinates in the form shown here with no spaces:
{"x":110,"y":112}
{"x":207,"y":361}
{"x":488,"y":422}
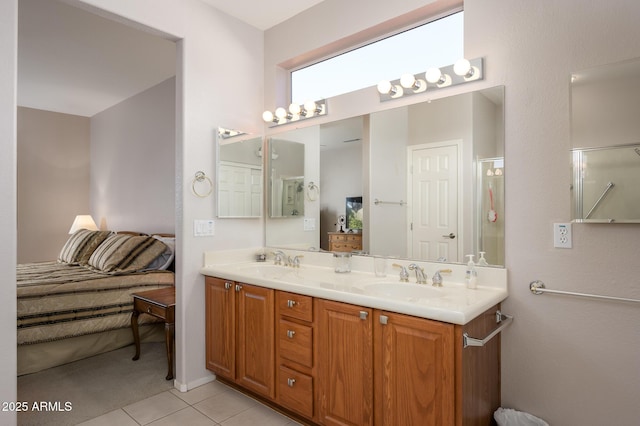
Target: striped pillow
{"x":125,"y":253}
{"x":81,"y":245}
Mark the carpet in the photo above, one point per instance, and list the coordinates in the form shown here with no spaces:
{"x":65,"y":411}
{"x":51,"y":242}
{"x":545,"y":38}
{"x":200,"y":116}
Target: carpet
{"x":85,"y":389}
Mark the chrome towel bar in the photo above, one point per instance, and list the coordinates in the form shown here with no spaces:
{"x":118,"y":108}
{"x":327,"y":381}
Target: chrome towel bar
{"x":503,"y":319}
{"x":537,"y":287}
{"x":376,"y":202}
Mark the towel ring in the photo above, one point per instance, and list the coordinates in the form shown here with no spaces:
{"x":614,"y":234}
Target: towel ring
{"x":312,"y":191}
{"x":201,"y":177}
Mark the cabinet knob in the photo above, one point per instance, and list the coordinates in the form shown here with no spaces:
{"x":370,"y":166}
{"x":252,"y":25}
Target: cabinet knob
{"x":238,"y":287}
{"x":291,"y":303}
{"x":384,"y":319}
{"x":227,"y":285}
{"x":364,"y":315}
{"x":290,"y":334}
{"x":291,"y":382}
{"x":148,"y":309}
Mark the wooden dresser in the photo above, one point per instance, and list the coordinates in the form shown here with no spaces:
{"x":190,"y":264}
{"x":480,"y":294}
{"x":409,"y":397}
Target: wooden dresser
{"x":343,"y":241}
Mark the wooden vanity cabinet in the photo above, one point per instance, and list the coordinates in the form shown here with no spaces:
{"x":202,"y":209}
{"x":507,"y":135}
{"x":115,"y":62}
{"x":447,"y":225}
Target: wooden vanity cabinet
{"x":240,"y":334}
{"x":385,"y":368}
{"x":295,"y":357}
{"x":345,"y":373}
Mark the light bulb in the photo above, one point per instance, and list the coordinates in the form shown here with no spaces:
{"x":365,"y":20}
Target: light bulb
{"x":281,"y":113}
{"x":294,"y":109}
{"x":463,"y":68}
{"x":433,"y":75}
{"x":310,"y":107}
{"x":385,"y":87}
{"x":267,"y":116}
{"x":407,"y":81}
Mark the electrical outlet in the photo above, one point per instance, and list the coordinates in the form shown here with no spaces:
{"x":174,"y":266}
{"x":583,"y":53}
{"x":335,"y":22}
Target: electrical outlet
{"x":562,"y":235}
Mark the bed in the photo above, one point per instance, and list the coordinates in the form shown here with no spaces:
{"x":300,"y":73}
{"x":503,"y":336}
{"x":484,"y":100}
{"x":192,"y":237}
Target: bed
{"x":80,"y":305}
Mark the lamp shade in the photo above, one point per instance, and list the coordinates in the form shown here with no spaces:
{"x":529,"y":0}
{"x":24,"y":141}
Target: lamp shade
{"x":83,"y":221}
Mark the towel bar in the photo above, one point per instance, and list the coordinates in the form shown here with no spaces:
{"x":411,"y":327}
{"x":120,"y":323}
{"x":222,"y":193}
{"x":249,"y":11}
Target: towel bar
{"x":503,"y":319}
{"x":537,"y":287}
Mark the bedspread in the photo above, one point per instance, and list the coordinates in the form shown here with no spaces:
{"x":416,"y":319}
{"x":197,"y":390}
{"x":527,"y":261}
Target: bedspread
{"x":57,"y":301}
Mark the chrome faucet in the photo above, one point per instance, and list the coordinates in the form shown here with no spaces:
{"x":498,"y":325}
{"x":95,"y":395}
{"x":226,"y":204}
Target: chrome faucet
{"x":279,"y":257}
{"x":437,"y":279}
{"x":295,"y":261}
{"x":404,"y":274}
{"x":421,"y":278}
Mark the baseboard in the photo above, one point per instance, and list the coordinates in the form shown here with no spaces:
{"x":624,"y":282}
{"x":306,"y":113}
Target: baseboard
{"x":185,"y":387}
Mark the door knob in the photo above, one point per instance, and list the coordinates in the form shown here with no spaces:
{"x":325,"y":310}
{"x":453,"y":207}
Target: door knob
{"x":451,"y":236}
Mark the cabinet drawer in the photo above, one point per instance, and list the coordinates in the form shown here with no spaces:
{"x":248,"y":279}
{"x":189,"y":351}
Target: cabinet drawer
{"x":296,"y":342}
{"x":295,"y":391}
{"x":295,"y":306}
{"x":150,"y":308}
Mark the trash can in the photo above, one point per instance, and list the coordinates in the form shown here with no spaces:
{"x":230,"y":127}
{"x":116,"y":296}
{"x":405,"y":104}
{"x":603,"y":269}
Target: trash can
{"x":511,"y":417}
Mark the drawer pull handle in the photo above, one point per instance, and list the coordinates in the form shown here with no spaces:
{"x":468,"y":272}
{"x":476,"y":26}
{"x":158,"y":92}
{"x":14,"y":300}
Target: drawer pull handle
{"x":238,"y":288}
{"x":384,"y":319}
{"x":227,"y":285}
{"x":291,"y":382}
{"x":148,"y":309}
{"x":291,"y":303}
{"x":364,"y":315}
{"x":290,"y":334}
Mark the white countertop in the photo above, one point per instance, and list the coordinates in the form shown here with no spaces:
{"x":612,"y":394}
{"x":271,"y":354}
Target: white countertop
{"x":452,"y":303}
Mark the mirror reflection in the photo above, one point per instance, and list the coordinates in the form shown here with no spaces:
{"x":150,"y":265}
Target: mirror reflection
{"x":239,"y":175}
{"x":286,"y":178}
{"x":606,"y":146}
{"x":430,"y":177}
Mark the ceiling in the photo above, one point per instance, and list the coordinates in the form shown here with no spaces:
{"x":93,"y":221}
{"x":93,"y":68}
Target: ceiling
{"x":74,"y":62}
{"x":262,"y":14}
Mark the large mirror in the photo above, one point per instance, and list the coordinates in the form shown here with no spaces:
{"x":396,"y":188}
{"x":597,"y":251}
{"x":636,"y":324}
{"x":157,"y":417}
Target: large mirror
{"x":605,"y":136}
{"x":239,"y":179}
{"x":423,"y":181}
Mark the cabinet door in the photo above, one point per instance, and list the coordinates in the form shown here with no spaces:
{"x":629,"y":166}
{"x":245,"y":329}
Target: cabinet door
{"x":345,"y":364}
{"x":220,"y":326}
{"x":255,"y":328}
{"x":415,"y":365}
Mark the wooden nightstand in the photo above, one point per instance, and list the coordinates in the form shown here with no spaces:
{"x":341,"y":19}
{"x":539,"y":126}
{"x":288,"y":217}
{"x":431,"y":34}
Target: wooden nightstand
{"x":344,"y":241}
{"x":160,"y":303}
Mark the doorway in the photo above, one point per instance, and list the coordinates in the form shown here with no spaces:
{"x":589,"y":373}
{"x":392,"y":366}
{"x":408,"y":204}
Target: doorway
{"x":433,"y":193}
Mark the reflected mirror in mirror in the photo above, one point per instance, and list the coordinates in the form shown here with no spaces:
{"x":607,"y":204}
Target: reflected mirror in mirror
{"x":239,"y":174}
{"x":606,"y":143}
{"x":286,"y":178}
{"x":430,"y":175}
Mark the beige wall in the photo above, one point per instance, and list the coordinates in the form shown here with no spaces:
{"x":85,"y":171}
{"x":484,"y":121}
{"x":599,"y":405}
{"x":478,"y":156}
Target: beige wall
{"x":133,"y":162}
{"x":53,"y":180}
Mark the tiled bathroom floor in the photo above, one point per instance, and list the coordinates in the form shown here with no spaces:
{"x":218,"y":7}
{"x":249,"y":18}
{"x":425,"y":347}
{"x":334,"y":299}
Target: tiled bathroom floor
{"x":213,"y":404}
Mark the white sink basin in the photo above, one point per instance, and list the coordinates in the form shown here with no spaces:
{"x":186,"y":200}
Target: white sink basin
{"x":402,"y":291}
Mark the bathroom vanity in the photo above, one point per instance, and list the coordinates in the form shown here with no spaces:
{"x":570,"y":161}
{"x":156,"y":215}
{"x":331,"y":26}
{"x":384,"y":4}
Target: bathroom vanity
{"x":354,"y":349}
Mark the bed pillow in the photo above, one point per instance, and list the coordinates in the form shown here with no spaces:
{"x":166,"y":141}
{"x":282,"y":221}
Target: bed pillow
{"x":121,"y":253}
{"x":165,"y":259}
{"x":80,"y":245}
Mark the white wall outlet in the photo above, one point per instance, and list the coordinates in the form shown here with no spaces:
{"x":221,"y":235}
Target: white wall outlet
{"x":204,"y":228}
{"x":562,"y":235}
{"x":309,"y":224}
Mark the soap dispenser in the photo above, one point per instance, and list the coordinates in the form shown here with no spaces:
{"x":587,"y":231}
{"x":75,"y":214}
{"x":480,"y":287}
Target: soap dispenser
{"x":471,"y":275}
{"x":482,"y":261}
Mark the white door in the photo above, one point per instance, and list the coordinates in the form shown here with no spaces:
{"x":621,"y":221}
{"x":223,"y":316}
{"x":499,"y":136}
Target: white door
{"x":239,"y":190}
{"x":433,"y":203}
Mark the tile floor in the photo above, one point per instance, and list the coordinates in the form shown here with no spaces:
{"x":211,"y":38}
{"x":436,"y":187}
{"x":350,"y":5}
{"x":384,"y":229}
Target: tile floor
{"x":213,"y":404}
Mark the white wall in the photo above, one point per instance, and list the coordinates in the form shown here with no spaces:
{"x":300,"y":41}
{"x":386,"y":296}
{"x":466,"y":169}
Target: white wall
{"x":133,"y":162}
{"x":8,"y":181}
{"x":569,"y":360}
{"x":53,"y":180}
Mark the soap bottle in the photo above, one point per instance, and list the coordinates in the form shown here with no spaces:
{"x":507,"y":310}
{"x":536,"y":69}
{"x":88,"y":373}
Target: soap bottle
{"x":471,"y":275}
{"x":482,"y":261}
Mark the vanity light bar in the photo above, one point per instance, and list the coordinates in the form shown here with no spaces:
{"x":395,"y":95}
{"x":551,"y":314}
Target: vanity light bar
{"x":229,"y":133}
{"x":463,"y":71}
{"x":296,"y":112}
